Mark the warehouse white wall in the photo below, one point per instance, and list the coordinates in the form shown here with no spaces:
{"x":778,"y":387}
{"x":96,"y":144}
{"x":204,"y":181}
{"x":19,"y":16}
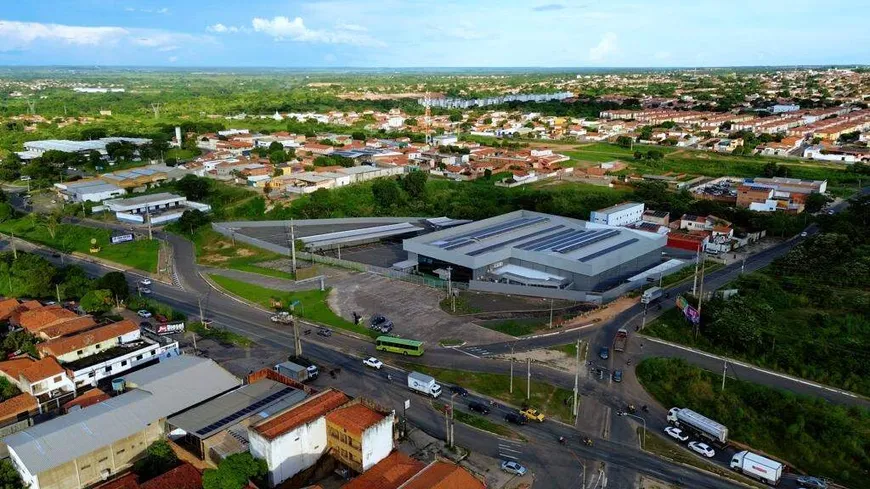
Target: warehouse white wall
{"x":292,"y":452}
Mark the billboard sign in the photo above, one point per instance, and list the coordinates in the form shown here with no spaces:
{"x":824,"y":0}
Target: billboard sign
{"x":167,"y":328}
{"x":692,"y":314}
{"x":122,"y":238}
{"x":682,"y":303}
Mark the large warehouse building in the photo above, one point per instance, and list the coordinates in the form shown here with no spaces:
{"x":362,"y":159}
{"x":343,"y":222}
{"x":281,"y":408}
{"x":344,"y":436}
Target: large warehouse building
{"x":528,"y":252}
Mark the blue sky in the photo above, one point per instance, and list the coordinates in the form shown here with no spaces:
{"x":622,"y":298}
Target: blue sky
{"x":417,"y":33}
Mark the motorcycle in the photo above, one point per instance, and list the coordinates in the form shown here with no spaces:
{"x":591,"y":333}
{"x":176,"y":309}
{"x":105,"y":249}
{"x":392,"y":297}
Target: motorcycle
{"x":562,"y":440}
{"x":587,"y":441}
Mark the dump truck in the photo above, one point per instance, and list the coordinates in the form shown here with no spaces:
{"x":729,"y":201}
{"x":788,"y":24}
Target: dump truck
{"x":423,"y":384}
{"x":758,"y":467}
{"x":699,"y":424}
{"x":620,"y":340}
{"x":650,"y":295}
{"x":299,"y":373}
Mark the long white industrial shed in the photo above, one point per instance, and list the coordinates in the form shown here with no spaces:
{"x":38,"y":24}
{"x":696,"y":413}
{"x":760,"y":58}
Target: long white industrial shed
{"x":358,"y":236}
{"x":535,"y":249}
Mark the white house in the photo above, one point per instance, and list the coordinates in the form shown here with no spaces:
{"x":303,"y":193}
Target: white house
{"x":618,"y":215}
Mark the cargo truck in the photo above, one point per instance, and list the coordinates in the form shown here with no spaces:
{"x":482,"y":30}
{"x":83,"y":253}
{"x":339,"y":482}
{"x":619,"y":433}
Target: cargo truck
{"x":650,"y":295}
{"x":423,"y":384}
{"x":699,"y":424}
{"x":282,"y":318}
{"x":758,"y":467}
{"x":620,"y":340}
{"x":299,"y":373}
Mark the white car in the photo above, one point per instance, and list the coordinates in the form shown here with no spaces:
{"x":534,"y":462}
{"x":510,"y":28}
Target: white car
{"x":676,"y":434}
{"x":142,"y":313}
{"x":145,"y":290}
{"x":804,"y":234}
{"x":145,"y":281}
{"x":513,"y":468}
{"x":373,"y":363}
{"x":702,"y":448}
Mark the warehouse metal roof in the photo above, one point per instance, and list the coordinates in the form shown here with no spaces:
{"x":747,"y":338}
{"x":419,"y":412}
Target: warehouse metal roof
{"x":263,"y":398}
{"x":155,"y":392}
{"x":358,"y":236}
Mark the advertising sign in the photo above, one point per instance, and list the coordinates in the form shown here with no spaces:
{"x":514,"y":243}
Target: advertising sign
{"x":122,"y":238}
{"x":168,"y":328}
{"x":692,"y":314}
{"x":682,"y":302}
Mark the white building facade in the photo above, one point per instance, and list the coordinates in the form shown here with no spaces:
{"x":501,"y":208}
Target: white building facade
{"x":618,"y":215}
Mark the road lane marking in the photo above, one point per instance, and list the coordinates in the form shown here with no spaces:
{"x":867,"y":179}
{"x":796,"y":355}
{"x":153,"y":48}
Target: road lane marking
{"x":467,"y":353}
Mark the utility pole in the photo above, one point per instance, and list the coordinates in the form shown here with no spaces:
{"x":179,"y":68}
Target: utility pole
{"x":292,"y":247}
{"x":201,"y":315}
{"x":512,"y":370}
{"x":14,"y":249}
{"x":643,"y":319}
{"x":452,"y":398}
{"x":576,"y":377}
{"x":297,"y":341}
{"x":700,"y":298}
{"x":697,"y":263}
{"x":56,"y":289}
{"x":724,"y":369}
{"x":743,"y":265}
{"x":551,"y":313}
{"x":148,"y":216}
{"x":528,"y":378}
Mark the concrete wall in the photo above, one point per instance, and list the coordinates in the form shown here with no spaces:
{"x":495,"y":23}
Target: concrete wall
{"x":88,"y":350}
{"x":499,"y":288}
{"x":292,"y":452}
{"x":377,"y":442}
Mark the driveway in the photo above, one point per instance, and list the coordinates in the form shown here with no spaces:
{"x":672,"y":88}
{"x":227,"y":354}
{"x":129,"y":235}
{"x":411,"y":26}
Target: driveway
{"x":412,"y":308}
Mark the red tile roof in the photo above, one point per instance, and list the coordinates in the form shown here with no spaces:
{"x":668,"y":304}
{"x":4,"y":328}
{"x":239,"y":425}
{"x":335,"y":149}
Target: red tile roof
{"x":304,"y":412}
{"x":355,"y":418}
{"x":89,"y":398}
{"x":7,"y":307}
{"x":185,"y":476}
{"x":14,"y":367}
{"x":389,"y":473}
{"x":66,"y":327}
{"x":442,"y":475}
{"x":66,"y":344}
{"x":12,"y":407}
{"x":37,"y":319}
{"x":42,"y":369}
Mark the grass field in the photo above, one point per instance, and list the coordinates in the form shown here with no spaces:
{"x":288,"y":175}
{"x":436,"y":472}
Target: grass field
{"x":517,"y":327}
{"x":220,"y":335}
{"x":139,"y":254}
{"x":215,"y":250}
{"x":311,"y":305}
{"x":545,"y":397}
{"x":820,"y":438}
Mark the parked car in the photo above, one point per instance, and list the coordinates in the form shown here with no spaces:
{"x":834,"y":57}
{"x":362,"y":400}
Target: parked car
{"x":459,"y":391}
{"x":325,"y":332}
{"x":807,"y":482}
{"x":145,"y":281}
{"x":144,"y":290}
{"x":676,"y":434}
{"x":512,"y":467}
{"x":142,"y":313}
{"x":533,"y":415}
{"x":373,"y":363}
{"x":604,"y":353}
{"x":478,"y":407}
{"x":515,"y":418}
{"x":702,"y":448}
{"x":803,"y":234}
{"x":617,"y":375}
{"x":381,"y":323}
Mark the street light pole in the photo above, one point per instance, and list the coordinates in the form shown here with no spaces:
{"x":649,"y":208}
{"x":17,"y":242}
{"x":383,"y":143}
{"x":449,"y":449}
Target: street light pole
{"x":528,"y":378}
{"x":512,"y":370}
{"x":643,"y":420}
{"x":576,"y":377}
{"x":551,"y":313}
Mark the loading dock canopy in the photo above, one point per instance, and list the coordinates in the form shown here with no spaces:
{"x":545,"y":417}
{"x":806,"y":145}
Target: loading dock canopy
{"x":663,"y":268}
{"x":358,"y":236}
{"x":527,"y":276}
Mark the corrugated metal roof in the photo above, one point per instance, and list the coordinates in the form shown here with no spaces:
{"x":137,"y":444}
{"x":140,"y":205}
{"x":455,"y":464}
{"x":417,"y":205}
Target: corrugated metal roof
{"x":156,"y":392}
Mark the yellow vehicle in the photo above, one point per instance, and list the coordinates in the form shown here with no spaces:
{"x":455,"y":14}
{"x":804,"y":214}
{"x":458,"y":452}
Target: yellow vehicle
{"x":533,"y":415}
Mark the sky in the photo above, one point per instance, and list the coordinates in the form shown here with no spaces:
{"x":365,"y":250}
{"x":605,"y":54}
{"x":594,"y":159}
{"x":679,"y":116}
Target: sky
{"x":434,"y":33}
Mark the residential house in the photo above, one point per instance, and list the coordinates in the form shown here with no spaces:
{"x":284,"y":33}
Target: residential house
{"x":360,"y":434}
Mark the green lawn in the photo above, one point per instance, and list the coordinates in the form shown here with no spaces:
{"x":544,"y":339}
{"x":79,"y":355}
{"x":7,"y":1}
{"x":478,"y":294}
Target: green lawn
{"x":312,"y":303}
{"x":517,"y":327}
{"x":220,"y":335}
{"x":479,"y":422}
{"x":139,"y":254}
{"x":545,"y":397}
{"x":215,"y":250}
{"x":820,"y":438}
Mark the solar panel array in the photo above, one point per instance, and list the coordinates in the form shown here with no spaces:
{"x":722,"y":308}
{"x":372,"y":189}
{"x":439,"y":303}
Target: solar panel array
{"x":489,"y":232}
{"x":550,"y":241}
{"x":584,"y":241}
{"x":514,"y":240}
{"x":244,"y":413}
{"x":607,"y":250}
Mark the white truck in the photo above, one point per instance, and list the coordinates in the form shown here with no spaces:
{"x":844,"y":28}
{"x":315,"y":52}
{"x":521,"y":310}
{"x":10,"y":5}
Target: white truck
{"x":754,"y":465}
{"x":423,"y":384}
{"x":651,"y":294}
{"x":698,"y":424}
{"x":299,"y":373}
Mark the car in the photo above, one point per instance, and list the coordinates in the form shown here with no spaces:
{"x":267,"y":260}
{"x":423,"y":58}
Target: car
{"x":478,"y":407}
{"x":142,"y":313}
{"x":808,"y":482}
{"x":617,"y":376}
{"x":515,"y":418}
{"x":830,"y":212}
{"x":702,"y":448}
{"x":459,"y":391}
{"x":533,"y":415}
{"x":803,"y":234}
{"x":373,"y":363}
{"x":325,"y":332}
{"x":144,"y":290}
{"x":145,"y":281}
{"x":381,"y":323}
{"x":512,"y":467}
{"x":604,"y":353}
{"x":676,"y":434}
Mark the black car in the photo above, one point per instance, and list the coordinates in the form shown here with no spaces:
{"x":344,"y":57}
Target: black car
{"x":515,"y":418}
{"x":381,"y":323}
{"x":478,"y":407}
{"x":326,"y":332}
{"x":460,"y":391}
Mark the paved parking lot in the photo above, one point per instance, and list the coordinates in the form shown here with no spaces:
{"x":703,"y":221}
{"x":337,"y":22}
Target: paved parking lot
{"x":383,"y":254}
{"x":413,"y":309}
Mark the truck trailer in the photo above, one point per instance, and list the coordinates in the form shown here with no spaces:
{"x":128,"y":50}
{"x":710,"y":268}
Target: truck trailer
{"x":620,"y":340}
{"x":754,"y":465}
{"x":699,"y":424}
{"x":299,"y":373}
{"x":650,"y":295}
{"x":423,"y":384}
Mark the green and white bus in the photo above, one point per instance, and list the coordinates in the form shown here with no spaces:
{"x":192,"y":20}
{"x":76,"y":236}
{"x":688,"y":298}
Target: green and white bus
{"x":399,"y":345}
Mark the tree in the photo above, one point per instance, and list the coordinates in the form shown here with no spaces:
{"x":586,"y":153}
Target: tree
{"x":9,"y":477}
{"x":358,"y":135}
{"x":52,"y":223}
{"x":193,"y":187}
{"x":21,"y":341}
{"x":638,"y":155}
{"x":97,"y":301}
{"x":487,"y":174}
{"x":73,"y":282}
{"x":415,"y":184}
{"x":277,"y":157}
{"x":654,"y":155}
{"x":455,"y":117}
{"x":410,"y":121}
{"x":815,"y":202}
{"x":386,"y":193}
{"x":624,"y":141}
{"x":29,"y":275}
{"x":234,"y":472}
{"x":116,"y":282}
{"x":6,"y":212}
{"x":276,"y":146}
{"x":159,"y":459}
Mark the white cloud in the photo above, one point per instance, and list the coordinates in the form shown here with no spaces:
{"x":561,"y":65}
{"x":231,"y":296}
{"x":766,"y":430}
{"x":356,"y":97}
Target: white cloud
{"x":604,"y":48}
{"x":222,"y":29}
{"x":15,"y":34}
{"x":284,"y":29}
